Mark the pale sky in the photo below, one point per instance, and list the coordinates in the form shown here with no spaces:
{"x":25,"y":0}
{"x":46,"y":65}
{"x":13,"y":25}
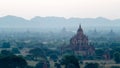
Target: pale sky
{"x":61,"y":8}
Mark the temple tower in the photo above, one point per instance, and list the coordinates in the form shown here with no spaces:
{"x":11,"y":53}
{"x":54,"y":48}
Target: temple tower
{"x":79,"y":43}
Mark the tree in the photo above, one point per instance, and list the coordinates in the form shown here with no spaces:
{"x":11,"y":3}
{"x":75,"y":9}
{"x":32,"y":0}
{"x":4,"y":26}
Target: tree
{"x":49,"y":52}
{"x":6,"y":45}
{"x":53,"y":57}
{"x":15,"y":51}
{"x":57,"y":65}
{"x":13,"y":62}
{"x":92,"y":65}
{"x":70,"y":61}
{"x":29,"y":57}
{"x":29,"y":66}
{"x":37,"y":52}
{"x":99,"y":53}
{"x":70,"y":66}
{"x":117,"y":57}
{"x":43,"y":64}
{"x":5,"y":53}
{"x":115,"y":67}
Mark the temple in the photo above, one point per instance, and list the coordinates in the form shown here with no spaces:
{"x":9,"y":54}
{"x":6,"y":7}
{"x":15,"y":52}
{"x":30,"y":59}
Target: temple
{"x":79,"y":43}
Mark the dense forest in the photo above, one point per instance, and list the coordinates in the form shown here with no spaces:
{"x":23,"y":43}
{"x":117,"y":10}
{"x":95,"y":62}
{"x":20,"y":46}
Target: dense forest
{"x":48,"y":50}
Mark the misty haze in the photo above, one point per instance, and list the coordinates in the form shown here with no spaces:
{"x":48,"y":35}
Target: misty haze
{"x":59,"y":34}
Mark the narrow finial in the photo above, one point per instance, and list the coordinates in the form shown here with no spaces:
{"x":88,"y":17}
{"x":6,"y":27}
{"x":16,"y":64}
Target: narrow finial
{"x":80,"y":26}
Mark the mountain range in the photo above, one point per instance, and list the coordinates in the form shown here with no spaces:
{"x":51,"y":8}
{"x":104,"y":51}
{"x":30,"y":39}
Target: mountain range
{"x":58,"y":22}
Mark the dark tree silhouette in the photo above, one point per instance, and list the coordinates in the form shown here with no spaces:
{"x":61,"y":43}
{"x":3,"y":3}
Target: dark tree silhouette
{"x":115,"y":67}
{"x":5,"y":53}
{"x":92,"y":65}
{"x":117,"y":57}
{"x":13,"y":62}
{"x":37,"y":52}
{"x":43,"y":64}
{"x":70,"y":61}
{"x":15,"y":51}
{"x":6,"y":45}
{"x":57,"y":65}
{"x":53,"y":57}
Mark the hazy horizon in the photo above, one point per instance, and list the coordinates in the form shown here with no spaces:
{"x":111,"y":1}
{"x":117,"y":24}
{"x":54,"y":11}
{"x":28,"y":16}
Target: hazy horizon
{"x":61,"y":8}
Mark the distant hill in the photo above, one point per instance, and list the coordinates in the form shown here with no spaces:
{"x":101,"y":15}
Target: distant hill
{"x":58,"y":22}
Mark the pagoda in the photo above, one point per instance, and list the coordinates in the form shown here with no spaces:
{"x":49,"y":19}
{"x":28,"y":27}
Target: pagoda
{"x":79,"y":43}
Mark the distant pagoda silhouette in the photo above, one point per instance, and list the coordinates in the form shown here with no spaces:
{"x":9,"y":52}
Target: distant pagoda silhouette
{"x":111,"y":33}
{"x":80,"y":45}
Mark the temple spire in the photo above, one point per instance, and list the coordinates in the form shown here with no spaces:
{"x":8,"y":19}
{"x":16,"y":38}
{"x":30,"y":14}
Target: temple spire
{"x":80,"y":45}
{"x":80,"y":26}
{"x":80,"y":29}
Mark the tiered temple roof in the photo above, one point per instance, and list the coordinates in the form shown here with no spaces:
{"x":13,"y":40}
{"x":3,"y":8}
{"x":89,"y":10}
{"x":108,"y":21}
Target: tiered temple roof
{"x":79,"y":43}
